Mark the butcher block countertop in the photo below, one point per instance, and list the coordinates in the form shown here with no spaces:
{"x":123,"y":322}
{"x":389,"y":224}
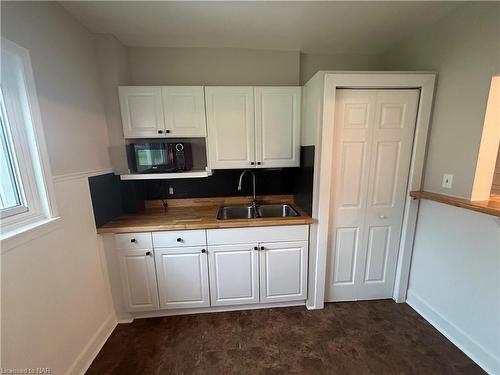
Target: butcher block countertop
{"x":198,"y":213}
{"x":489,"y":207}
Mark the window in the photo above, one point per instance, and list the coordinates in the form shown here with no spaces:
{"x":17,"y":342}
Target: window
{"x":487,"y":176}
{"x":24,"y":191}
{"x":11,"y":201}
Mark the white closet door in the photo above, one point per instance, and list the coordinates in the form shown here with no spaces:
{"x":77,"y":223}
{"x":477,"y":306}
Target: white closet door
{"x":372,"y":141}
{"x":277,"y":126}
{"x":230,"y":126}
{"x":184,"y":108}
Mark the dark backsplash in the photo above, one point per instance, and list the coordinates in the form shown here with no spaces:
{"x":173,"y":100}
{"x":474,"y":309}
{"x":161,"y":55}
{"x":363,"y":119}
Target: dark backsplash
{"x":106,"y":197}
{"x":112,"y":197}
{"x":223,"y":183}
{"x":303,"y":179}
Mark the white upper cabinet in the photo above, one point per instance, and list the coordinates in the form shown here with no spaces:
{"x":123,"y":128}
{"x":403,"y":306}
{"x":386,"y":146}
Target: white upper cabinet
{"x":253,"y":127}
{"x":246,"y":127}
{"x":184,"y":109}
{"x":142,"y":111}
{"x":277,"y":126}
{"x":162,"y":112}
{"x":231,"y":128}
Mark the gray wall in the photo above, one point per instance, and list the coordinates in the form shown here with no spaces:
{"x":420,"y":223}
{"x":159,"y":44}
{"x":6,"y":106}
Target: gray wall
{"x":233,"y":66}
{"x":114,"y":71}
{"x":464,"y":48}
{"x":212,"y":66}
{"x":55,"y":302}
{"x":312,"y":63}
{"x":66,"y":77}
{"x":454,"y":279}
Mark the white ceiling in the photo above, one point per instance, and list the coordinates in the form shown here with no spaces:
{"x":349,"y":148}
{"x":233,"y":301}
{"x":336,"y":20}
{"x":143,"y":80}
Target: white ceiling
{"x":306,"y":26}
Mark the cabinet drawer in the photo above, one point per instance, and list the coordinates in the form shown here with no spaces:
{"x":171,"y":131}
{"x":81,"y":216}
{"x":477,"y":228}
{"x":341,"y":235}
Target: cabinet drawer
{"x":179,"y":238}
{"x":277,"y":233}
{"x":132,"y":241}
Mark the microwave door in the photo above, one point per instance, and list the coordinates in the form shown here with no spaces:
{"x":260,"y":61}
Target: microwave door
{"x":143,"y":160}
{"x":153,"y":157}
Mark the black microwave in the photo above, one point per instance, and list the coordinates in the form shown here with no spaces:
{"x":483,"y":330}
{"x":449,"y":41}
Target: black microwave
{"x":161,"y":157}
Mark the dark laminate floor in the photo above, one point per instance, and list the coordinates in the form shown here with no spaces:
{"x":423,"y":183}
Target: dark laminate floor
{"x":376,"y":337}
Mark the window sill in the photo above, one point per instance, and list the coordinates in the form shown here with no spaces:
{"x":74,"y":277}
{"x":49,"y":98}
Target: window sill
{"x":15,"y":238}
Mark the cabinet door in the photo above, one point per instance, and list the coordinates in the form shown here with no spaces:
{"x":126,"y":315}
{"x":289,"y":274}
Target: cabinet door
{"x":142,"y":111}
{"x":277,"y":126}
{"x":283,"y":271}
{"x":231,"y":128}
{"x":182,"y":277}
{"x":137,"y":269}
{"x":184,"y":108}
{"x":234,"y":274}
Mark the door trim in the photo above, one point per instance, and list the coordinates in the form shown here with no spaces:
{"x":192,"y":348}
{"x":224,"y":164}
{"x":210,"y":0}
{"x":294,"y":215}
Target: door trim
{"x":320,"y":233}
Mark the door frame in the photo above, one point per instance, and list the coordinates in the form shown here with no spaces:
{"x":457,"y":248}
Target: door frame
{"x":323,"y":183}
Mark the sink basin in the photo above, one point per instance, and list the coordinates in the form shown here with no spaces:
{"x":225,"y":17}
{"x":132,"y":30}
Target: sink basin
{"x":276,"y":210}
{"x":248,"y":212}
{"x":236,"y":212}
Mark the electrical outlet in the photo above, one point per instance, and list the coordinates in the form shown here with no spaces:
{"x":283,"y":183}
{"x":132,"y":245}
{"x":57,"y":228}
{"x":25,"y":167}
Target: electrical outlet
{"x":170,"y":190}
{"x":447,"y":181}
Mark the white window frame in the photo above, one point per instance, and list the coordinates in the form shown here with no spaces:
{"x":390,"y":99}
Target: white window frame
{"x":28,"y":147}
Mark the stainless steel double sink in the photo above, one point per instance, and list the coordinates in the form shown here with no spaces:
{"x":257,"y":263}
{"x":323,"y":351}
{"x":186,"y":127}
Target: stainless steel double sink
{"x":259,"y":211}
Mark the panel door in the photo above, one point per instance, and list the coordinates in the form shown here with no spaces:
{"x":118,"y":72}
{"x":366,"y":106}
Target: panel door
{"x":142,"y":111}
{"x":277,"y":126}
{"x":354,"y":116}
{"x":184,"y":108}
{"x":234,"y":274}
{"x":372,"y":142}
{"x":137,"y":270}
{"x":391,"y":147}
{"x":283,"y":271}
{"x":182,"y":277}
{"x":230,"y":126}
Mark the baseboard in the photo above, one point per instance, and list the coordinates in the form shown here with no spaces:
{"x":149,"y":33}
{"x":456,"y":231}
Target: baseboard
{"x":474,"y":350}
{"x":95,"y":344}
{"x":213,"y":309}
{"x":125,"y":320}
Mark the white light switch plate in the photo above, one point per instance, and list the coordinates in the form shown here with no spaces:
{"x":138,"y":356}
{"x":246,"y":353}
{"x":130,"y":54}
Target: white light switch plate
{"x":447,"y":181}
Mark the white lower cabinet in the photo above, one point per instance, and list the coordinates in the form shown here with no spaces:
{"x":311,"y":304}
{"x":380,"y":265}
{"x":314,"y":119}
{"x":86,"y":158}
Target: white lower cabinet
{"x":234,"y":271}
{"x":182,"y":277}
{"x":217,"y":267}
{"x":137,"y":270}
{"x":283,"y":271}
{"x":268,"y":266}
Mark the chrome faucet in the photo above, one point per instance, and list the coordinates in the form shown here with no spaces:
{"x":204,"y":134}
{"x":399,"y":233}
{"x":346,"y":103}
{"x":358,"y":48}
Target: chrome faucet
{"x":254,"y":200}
